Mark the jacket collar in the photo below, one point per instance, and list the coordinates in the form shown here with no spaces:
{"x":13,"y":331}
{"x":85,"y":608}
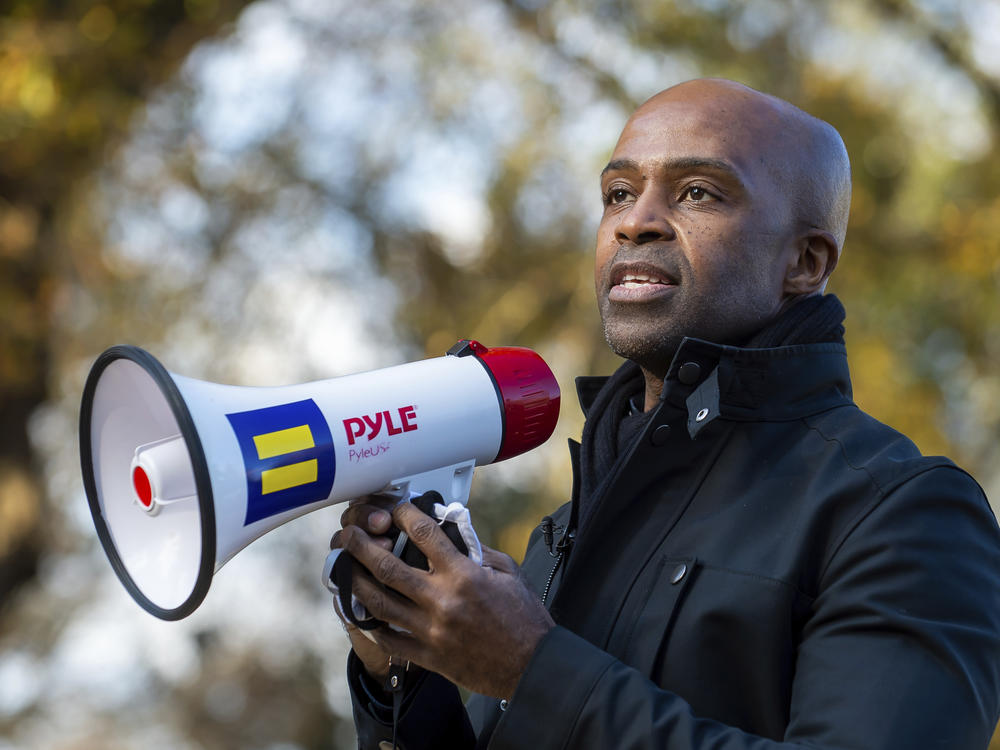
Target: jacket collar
{"x":776,"y":384}
{"x":587,"y":388}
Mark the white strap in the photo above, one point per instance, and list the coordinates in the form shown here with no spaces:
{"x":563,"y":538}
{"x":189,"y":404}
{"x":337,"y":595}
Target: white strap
{"x":459,"y":515}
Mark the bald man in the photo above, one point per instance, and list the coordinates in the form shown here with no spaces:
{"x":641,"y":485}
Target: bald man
{"x":748,"y":560}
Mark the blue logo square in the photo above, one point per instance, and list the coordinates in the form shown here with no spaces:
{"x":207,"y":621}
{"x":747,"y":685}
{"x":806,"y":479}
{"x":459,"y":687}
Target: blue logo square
{"x":288,"y":454}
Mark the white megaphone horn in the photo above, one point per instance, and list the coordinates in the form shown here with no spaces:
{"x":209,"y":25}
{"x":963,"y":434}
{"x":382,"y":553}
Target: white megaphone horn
{"x":181,"y":474}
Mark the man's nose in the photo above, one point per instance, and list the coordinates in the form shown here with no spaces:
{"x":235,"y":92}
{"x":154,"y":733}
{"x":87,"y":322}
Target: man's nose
{"x":647,"y":220}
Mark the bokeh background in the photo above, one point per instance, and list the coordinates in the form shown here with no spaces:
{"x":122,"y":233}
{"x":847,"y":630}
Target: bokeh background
{"x":285,"y":190}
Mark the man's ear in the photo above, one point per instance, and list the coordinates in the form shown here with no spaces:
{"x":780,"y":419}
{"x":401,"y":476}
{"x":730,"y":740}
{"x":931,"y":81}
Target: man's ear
{"x":815,"y":256}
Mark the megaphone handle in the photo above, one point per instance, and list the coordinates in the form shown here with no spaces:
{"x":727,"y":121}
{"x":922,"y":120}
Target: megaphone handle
{"x":341,"y":575}
{"x":407,"y":551}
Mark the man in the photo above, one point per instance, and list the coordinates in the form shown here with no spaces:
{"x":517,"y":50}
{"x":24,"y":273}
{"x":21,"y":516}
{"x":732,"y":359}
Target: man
{"x":748,"y":561}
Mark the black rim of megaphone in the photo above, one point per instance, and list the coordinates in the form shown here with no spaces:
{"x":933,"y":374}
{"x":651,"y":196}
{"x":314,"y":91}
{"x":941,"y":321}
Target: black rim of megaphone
{"x":203,"y":485}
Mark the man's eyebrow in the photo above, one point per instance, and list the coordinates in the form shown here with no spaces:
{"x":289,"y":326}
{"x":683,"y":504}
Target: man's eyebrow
{"x":680,"y":164}
{"x":620,"y":164}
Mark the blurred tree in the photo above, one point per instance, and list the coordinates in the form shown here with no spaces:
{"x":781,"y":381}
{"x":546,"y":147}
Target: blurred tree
{"x":71,"y":76}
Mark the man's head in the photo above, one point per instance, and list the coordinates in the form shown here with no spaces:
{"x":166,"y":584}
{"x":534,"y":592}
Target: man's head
{"x":721,"y":206}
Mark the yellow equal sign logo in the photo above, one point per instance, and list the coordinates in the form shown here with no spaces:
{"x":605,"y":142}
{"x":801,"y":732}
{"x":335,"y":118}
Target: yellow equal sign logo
{"x":278,"y":443}
{"x":288,"y":454}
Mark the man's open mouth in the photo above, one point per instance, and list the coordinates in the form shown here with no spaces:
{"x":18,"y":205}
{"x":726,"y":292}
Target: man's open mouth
{"x":639,"y":281}
{"x":636,"y":280}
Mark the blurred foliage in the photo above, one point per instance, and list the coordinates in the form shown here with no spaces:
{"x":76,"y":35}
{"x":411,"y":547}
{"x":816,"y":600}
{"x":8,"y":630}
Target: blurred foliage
{"x":322,"y":187}
{"x":71,"y":76}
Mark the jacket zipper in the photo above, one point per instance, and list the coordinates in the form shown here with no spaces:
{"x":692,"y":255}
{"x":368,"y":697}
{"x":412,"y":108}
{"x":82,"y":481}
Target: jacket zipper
{"x":563,"y":548}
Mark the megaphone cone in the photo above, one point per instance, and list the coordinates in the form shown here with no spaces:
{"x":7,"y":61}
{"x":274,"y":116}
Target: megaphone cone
{"x":181,"y":474}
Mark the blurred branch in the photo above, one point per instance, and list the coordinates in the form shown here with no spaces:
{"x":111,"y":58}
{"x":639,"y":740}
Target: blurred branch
{"x":539,"y":24}
{"x":71,"y":77}
{"x":952,"y":48}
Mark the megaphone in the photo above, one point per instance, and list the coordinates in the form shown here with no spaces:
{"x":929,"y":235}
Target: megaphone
{"x":181,"y":474}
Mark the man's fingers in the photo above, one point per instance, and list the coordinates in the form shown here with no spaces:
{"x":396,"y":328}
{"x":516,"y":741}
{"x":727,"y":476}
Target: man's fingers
{"x":383,"y":565}
{"x":371,"y":518}
{"x":402,"y":646}
{"x":337,"y":541}
{"x":426,"y":534}
{"x":370,"y":512}
{"x":385,"y":604}
{"x":499,"y":561}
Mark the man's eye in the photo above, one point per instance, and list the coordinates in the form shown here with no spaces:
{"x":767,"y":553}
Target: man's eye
{"x":697,"y":194}
{"x":618,"y":195}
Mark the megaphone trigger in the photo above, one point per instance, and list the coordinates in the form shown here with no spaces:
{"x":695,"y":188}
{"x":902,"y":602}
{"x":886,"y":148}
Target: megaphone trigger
{"x":338,"y":571}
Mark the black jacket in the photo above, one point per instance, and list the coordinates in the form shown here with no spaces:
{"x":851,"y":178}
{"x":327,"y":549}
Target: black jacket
{"x":784,"y":571}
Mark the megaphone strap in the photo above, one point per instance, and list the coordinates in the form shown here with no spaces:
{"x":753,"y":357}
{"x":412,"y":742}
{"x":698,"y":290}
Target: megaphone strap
{"x":340,"y":575}
{"x":458,"y":514}
{"x":394,"y":685}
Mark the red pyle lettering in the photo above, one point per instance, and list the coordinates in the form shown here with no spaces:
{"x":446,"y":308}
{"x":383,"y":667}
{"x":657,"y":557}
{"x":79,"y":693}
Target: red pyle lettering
{"x":375,"y":425}
{"x":406,"y":416}
{"x":407,"y":413}
{"x":393,"y":430}
{"x":355,"y":428}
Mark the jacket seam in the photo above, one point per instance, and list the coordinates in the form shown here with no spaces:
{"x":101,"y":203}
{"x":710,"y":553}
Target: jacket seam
{"x":866,"y":511}
{"x":843,"y":452}
{"x":862,"y":514}
{"x":725,"y":416}
{"x":660,"y":565}
{"x":767,"y":579}
{"x":583,"y":703}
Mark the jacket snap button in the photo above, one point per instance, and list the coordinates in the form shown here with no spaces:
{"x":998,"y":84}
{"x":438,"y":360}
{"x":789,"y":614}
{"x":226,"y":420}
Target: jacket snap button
{"x":679,"y":572}
{"x":660,"y":435}
{"x":689,"y":373}
{"x":700,"y":416}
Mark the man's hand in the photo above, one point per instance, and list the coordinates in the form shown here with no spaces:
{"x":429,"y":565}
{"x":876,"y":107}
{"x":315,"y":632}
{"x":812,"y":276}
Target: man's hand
{"x":370,"y":513}
{"x":477,"y":626}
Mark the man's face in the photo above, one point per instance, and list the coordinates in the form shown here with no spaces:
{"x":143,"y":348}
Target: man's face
{"x":696,"y":232}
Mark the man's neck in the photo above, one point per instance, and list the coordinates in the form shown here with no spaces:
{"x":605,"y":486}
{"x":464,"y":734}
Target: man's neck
{"x":654,"y":387}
